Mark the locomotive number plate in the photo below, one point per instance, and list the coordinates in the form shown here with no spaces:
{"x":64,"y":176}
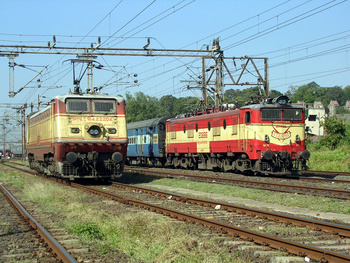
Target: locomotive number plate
{"x":91,"y":118}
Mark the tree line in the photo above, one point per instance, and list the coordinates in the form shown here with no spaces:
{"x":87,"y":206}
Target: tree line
{"x":142,"y":107}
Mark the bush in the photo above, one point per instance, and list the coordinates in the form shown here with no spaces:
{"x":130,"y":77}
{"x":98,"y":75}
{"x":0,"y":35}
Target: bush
{"x":336,"y":131}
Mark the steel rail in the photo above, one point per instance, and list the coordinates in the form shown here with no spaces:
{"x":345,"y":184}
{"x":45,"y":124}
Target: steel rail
{"x":292,"y":247}
{"x":341,"y":230}
{"x":56,"y":247}
{"x":325,"y":173}
{"x":266,"y":185}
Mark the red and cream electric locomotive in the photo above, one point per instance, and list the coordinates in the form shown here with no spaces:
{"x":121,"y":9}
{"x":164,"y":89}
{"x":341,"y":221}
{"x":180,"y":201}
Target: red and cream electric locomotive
{"x":265,"y":137}
{"x":79,"y":136}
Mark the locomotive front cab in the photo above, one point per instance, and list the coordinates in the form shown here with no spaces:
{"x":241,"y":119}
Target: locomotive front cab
{"x":281,"y":140}
{"x":90,"y":136}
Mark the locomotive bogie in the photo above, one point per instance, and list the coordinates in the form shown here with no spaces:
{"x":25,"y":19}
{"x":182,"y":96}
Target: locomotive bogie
{"x":79,"y":136}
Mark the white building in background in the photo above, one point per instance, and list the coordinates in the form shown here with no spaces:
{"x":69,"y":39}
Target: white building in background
{"x":316,"y":114}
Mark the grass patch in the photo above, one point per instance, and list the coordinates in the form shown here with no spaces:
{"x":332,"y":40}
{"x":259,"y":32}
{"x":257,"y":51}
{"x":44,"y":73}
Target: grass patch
{"x":317,"y":203}
{"x":326,"y":159}
{"x":145,"y":236}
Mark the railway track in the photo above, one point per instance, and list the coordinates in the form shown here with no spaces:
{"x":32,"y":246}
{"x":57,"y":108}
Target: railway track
{"x":258,"y":184}
{"x":27,"y":246}
{"x":221,"y":222}
{"x":326,"y":173}
{"x":219,"y":217}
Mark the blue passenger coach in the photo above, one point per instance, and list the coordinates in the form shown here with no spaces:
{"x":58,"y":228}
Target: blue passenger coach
{"x":146,"y":142}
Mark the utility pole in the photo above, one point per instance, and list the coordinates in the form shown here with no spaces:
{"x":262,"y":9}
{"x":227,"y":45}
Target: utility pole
{"x":23,"y":123}
{"x":4,"y":134}
{"x":204,"y":83}
{"x":219,"y":85}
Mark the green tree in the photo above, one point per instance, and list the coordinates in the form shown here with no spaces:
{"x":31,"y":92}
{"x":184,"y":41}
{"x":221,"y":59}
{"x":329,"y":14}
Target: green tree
{"x":347,"y":93}
{"x":166,"y":105}
{"x":336,"y":130}
{"x":275,"y":93}
{"x":308,"y":93}
{"x":141,"y":107}
{"x":333,"y":93}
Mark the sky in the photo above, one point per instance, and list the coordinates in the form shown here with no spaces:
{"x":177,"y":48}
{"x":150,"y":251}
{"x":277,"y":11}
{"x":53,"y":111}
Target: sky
{"x":304,"y":41}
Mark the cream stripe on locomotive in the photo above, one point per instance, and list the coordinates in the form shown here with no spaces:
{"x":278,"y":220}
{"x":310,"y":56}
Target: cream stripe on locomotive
{"x":277,"y":134}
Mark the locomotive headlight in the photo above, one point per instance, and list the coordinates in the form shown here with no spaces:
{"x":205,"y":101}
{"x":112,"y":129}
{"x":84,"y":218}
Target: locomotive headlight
{"x":94,"y":131}
{"x":112,"y":130}
{"x":74,"y":130}
{"x":266,"y":138}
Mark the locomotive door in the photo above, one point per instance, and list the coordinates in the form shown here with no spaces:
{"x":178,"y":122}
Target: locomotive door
{"x":244,"y":131}
{"x":161,"y":139}
{"x":150,"y":138}
{"x":139,"y":142}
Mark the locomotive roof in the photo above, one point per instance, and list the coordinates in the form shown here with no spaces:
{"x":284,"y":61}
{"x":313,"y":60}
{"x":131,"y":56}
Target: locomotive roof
{"x":87,"y":96}
{"x":36,"y":113}
{"x":146,"y":123}
{"x":75,"y":96}
{"x":205,"y":116}
{"x":270,"y":105}
{"x":231,"y":112}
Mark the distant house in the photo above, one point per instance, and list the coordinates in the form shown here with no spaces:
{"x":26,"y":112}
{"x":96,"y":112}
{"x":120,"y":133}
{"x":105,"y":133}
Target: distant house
{"x":332,"y":107}
{"x":318,"y":105}
{"x":347,"y":104}
{"x":312,"y":122}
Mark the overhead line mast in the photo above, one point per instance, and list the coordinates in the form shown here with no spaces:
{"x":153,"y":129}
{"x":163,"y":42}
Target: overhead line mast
{"x":11,"y":51}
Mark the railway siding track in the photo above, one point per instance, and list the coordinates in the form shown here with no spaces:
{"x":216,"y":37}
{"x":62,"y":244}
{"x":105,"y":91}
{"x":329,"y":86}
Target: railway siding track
{"x":337,"y":229}
{"x":57,"y":249}
{"x":278,"y":187}
{"x":266,"y":241}
{"x":320,"y":254}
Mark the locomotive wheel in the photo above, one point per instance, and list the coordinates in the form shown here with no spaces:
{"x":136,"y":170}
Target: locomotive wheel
{"x":176,"y":162}
{"x":226,"y":165}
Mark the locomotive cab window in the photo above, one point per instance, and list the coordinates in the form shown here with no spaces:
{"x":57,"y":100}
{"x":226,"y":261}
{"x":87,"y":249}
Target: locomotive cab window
{"x":247,"y":117}
{"x":281,"y":114}
{"x":104,"y":106}
{"x":77,"y":105}
{"x":292,"y":114}
{"x":270,"y":114}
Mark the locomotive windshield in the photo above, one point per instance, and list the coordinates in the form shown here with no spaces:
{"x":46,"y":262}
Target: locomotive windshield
{"x":277,"y":114}
{"x":74,"y":105}
{"x":104,"y":106}
{"x":83,"y":106}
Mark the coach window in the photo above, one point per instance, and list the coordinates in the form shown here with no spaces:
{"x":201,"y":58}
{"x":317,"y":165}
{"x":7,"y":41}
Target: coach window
{"x":224,"y":124}
{"x":184,"y":128}
{"x":196,"y":127}
{"x":209,"y":126}
{"x":247,"y":117}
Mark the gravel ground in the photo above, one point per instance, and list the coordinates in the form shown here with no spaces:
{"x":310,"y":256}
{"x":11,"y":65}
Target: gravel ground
{"x":18,"y":241}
